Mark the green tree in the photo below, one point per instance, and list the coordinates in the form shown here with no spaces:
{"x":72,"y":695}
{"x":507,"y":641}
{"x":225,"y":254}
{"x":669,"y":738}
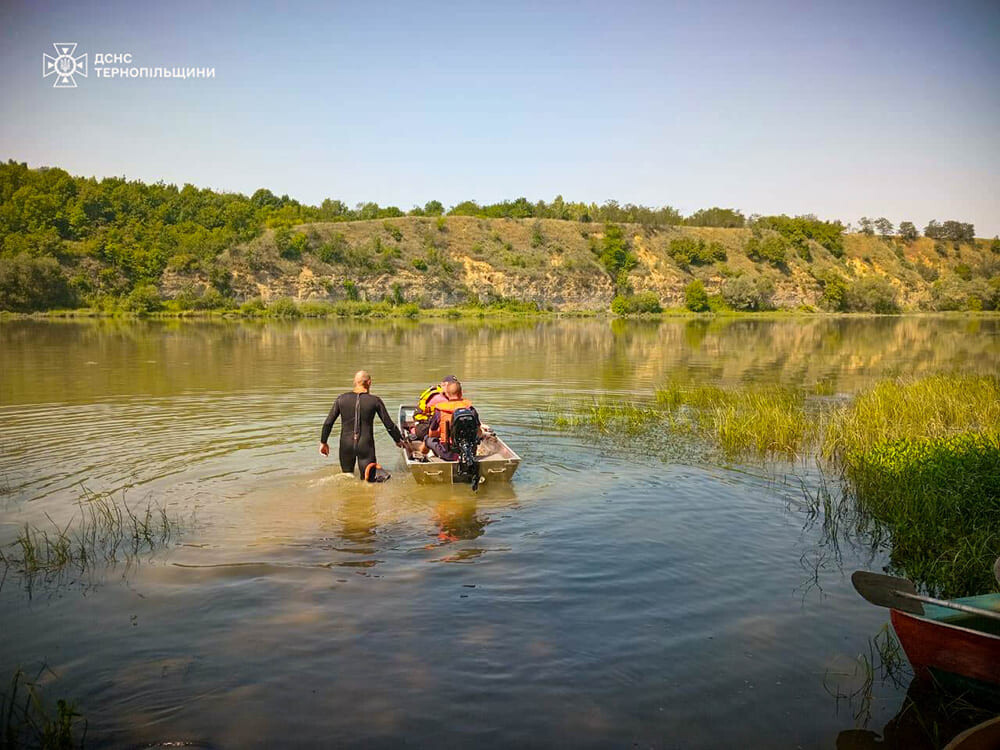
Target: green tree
{"x":29,"y":284}
{"x":908,"y":231}
{"x":433,"y":208}
{"x":956,"y":231}
{"x":143,"y":299}
{"x":632,"y":304}
{"x":615,"y":255}
{"x":884,"y":227}
{"x":466,"y":208}
{"x":747,"y":294}
{"x":716,"y":217}
{"x":866,"y":225}
{"x":872,"y":294}
{"x":828,"y":234}
{"x":771,"y":249}
{"x":834,"y":296}
{"x":695,"y":297}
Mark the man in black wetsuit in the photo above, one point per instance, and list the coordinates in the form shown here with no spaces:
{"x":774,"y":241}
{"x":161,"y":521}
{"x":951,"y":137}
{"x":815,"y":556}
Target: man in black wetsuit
{"x":357,"y":409}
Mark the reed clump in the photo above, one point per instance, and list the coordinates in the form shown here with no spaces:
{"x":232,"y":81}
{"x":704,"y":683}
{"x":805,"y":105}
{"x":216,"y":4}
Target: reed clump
{"x":759,"y":420}
{"x":610,"y":416}
{"x":107,"y":530}
{"x":28,"y":722}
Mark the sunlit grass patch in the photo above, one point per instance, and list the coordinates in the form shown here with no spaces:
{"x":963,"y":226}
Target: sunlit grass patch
{"x":921,"y":457}
{"x":934,"y":406}
{"x":765,"y":422}
{"x":758,"y":420}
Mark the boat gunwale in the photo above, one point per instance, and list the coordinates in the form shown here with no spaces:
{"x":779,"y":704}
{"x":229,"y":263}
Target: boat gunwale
{"x":945,"y":623}
{"x":972,"y":601}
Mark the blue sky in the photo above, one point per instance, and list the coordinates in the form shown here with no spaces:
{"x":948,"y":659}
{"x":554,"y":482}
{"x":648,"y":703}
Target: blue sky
{"x":840,"y":109}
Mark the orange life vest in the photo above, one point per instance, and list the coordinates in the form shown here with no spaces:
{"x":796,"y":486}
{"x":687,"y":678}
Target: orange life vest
{"x":447,"y":411}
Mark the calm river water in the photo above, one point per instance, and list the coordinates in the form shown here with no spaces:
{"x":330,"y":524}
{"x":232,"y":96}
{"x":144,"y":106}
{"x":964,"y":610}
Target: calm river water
{"x":604,"y":598}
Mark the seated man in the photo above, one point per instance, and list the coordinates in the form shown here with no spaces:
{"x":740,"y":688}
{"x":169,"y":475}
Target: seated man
{"x":428,"y":400}
{"x":439,"y":431}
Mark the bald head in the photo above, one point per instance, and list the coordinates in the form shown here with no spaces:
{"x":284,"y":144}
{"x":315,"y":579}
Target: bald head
{"x":362,"y":379}
{"x":453,"y":390}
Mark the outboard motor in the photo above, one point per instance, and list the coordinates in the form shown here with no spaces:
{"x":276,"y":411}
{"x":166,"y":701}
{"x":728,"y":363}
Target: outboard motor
{"x":465,"y":440}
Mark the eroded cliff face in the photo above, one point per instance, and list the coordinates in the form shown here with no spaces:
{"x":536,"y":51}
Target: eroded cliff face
{"x":443,"y":262}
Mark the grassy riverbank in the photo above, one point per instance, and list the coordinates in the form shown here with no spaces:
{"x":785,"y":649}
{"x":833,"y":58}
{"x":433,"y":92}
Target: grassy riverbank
{"x":287,"y":309}
{"x":919,"y":460}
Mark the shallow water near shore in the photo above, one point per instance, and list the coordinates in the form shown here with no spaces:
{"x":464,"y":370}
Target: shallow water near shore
{"x":605,"y":597}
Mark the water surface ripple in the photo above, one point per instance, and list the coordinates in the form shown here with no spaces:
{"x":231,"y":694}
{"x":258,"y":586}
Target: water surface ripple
{"x":607,"y":597}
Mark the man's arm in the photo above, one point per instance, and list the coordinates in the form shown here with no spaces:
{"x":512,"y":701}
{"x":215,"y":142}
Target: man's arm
{"x":383,"y":414}
{"x":327,"y":426}
{"x":481,"y":429}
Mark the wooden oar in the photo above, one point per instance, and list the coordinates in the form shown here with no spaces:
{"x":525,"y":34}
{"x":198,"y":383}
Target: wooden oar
{"x":901,"y":594}
{"x":996,"y":570}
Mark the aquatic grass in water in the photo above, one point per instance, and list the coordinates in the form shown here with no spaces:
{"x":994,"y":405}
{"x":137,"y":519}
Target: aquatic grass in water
{"x":610,"y":416}
{"x":940,"y":499}
{"x":27,"y":721}
{"x":765,"y":422}
{"x":107,"y":531}
{"x":919,"y":459}
{"x":883,"y":661}
{"x":761,"y":421}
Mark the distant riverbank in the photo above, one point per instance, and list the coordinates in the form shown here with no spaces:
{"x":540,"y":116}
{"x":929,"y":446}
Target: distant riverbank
{"x":284,"y":309}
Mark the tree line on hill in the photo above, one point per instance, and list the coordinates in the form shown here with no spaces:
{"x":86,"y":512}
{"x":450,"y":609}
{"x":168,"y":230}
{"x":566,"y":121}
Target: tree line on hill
{"x":131,"y":231}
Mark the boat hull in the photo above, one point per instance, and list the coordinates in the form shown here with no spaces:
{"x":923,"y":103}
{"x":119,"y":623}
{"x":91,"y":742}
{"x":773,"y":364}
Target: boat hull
{"x":498,"y":463}
{"x":944,"y":642}
{"x":985,"y":736}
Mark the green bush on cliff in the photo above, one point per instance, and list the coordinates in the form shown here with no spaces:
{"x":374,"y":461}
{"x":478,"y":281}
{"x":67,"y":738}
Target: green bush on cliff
{"x":834,"y":296}
{"x":954,"y":293}
{"x":748,"y":294}
{"x":695,"y":297}
{"x":797,"y":229}
{"x":874,"y":294}
{"x":689,"y":251}
{"x":772,"y":249}
{"x":634,"y":304}
{"x":614,"y":254}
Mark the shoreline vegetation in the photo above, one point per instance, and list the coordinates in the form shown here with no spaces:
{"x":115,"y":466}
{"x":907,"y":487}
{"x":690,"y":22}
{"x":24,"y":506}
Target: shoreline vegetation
{"x":114,"y":245}
{"x":287,"y":309}
{"x":917,"y":461}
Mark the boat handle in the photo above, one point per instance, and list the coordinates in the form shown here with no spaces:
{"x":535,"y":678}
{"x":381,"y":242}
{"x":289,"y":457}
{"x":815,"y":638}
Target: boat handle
{"x":437,"y":473}
{"x":496,"y":471}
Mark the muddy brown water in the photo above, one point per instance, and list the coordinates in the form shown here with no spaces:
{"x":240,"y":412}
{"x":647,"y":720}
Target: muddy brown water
{"x":606,"y":597}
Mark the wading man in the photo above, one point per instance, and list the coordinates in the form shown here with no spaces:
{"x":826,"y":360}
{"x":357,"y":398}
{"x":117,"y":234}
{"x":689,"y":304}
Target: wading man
{"x":357,"y":409}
